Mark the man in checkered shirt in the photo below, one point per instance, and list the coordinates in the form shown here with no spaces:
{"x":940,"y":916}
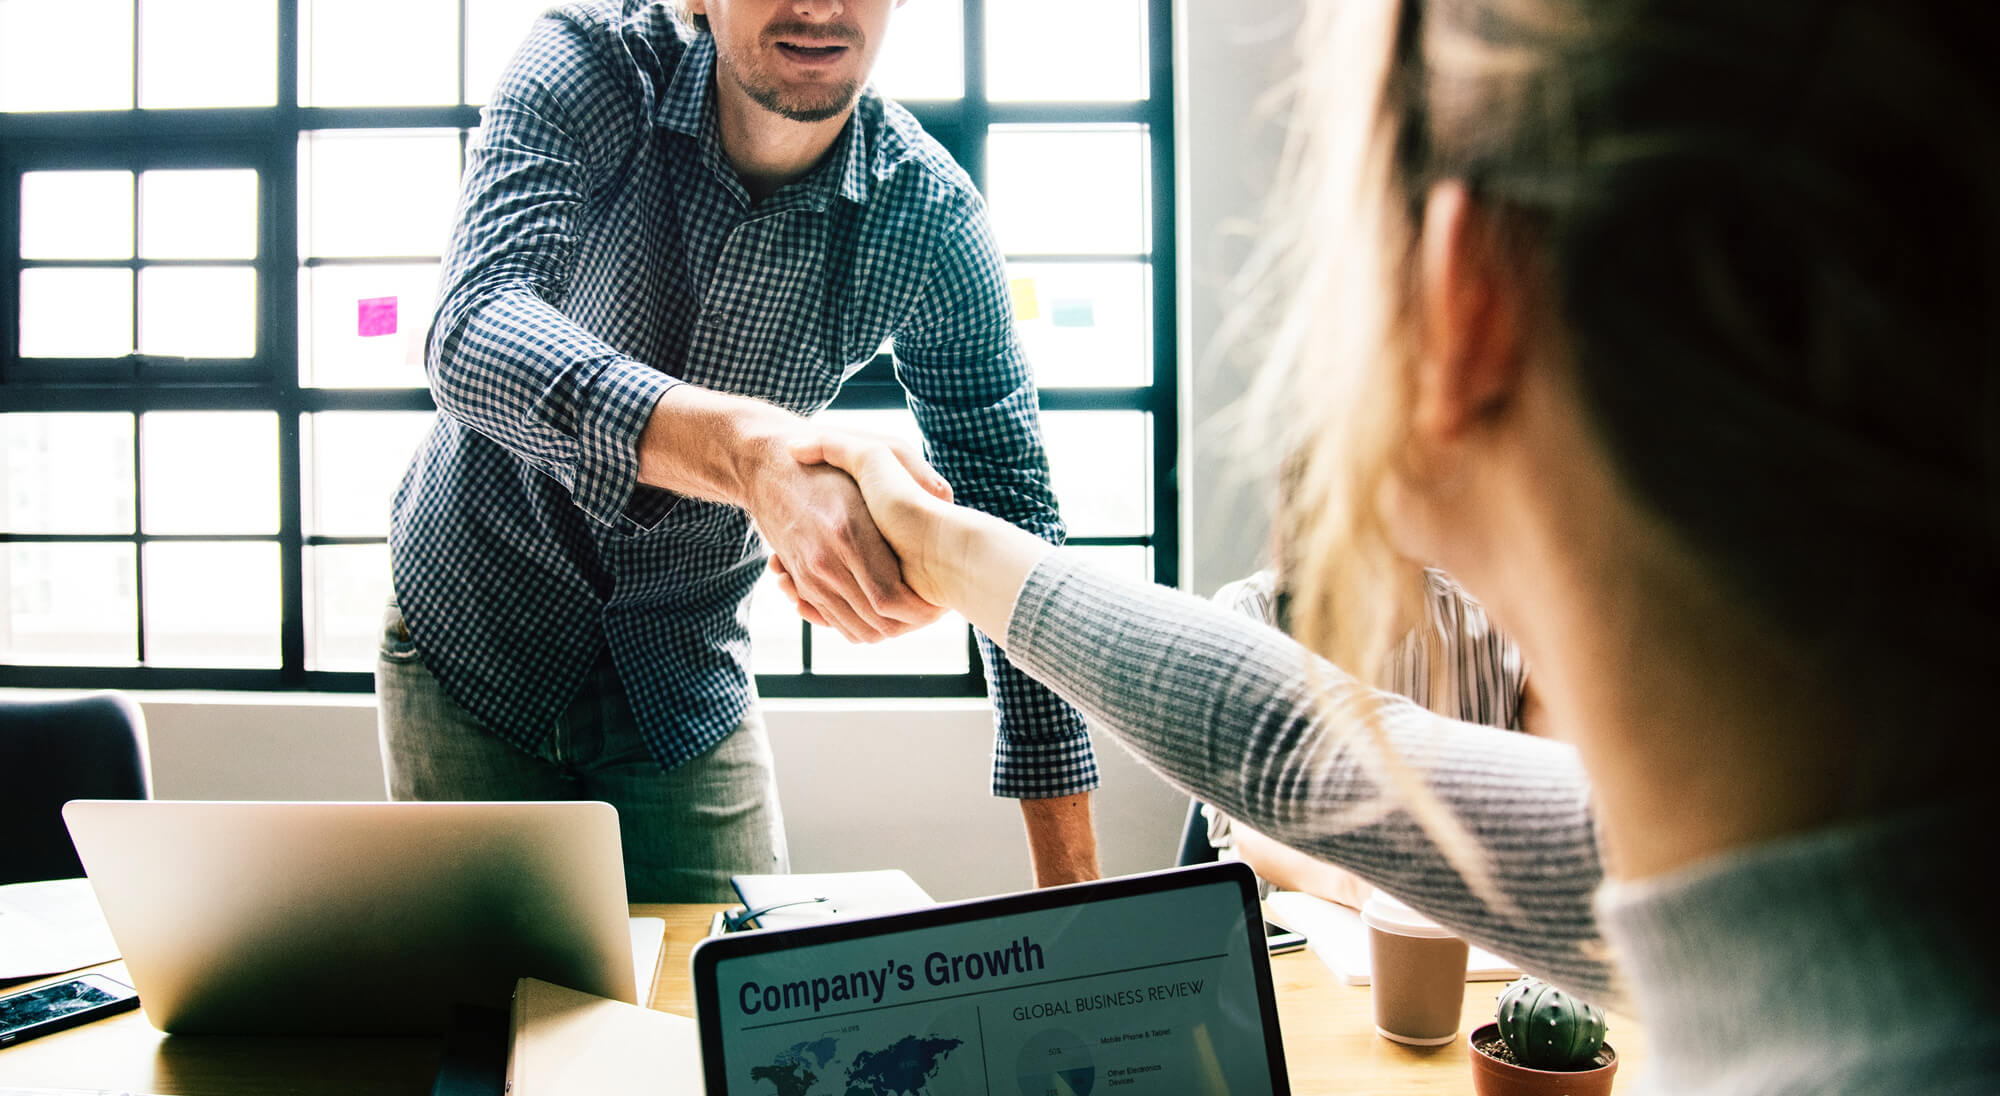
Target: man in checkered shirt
{"x":680,"y":232}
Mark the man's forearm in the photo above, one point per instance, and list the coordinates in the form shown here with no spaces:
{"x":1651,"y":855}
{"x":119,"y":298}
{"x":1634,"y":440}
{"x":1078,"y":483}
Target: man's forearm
{"x":1062,"y":842}
{"x":709,"y":445}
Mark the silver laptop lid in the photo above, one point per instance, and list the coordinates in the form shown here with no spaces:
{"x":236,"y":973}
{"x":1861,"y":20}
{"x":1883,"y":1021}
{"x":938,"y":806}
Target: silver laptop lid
{"x":353,"y":918}
{"x":1158,"y":981}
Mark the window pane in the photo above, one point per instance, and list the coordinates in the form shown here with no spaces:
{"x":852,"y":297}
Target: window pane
{"x":346,"y":588}
{"x":362,"y":325}
{"x":68,"y":605}
{"x":894,"y":423}
{"x":775,"y":626}
{"x":494,"y":29}
{"x":180,"y":40}
{"x":76,"y":313}
{"x":76,"y":215}
{"x":1125,"y":561}
{"x":198,"y":215}
{"x":1084,"y":324}
{"x":198,"y":312}
{"x":924,"y":55}
{"x":1068,"y":190}
{"x":66,"y":473}
{"x":211,"y":604}
{"x":65,"y":54}
{"x":376,"y":193}
{"x":208,"y":472}
{"x":1098,"y":462}
{"x":1062,"y":49}
{"x":367,"y":53}
{"x":937,"y":648}
{"x":354,"y":461}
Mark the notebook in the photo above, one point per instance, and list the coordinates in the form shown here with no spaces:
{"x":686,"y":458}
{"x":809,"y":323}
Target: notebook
{"x":1157,"y":981}
{"x":790,"y":901}
{"x":354,"y":918}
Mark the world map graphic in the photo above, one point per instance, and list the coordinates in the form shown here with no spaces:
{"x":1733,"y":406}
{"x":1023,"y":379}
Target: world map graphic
{"x":815,"y":1068}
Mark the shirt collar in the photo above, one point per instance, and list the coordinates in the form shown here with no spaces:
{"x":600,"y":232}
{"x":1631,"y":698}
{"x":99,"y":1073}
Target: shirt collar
{"x":685,"y":106}
{"x":688,"y":107}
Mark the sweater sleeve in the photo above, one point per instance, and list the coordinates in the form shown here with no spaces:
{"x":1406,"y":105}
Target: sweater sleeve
{"x":1226,"y":709}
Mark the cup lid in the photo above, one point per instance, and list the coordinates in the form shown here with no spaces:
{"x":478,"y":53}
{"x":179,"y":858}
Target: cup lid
{"x":1385,"y":912}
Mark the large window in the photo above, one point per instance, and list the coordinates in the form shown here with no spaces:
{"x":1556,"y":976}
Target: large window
{"x":220,"y":231}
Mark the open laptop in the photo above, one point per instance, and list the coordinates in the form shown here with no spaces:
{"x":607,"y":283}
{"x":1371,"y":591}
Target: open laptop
{"x":354,"y":918}
{"x":1157,"y":981}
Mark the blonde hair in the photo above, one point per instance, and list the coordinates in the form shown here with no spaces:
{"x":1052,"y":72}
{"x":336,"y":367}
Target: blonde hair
{"x":687,"y":15}
{"x":1770,"y":234}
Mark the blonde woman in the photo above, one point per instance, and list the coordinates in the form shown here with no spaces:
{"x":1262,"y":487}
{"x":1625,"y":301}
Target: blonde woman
{"x":1669,"y":329}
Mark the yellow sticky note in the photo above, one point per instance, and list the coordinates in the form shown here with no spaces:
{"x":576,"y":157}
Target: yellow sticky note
{"x":1025,"y":306}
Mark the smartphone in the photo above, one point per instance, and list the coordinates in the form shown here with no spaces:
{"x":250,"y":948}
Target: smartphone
{"x":1281,"y":939}
{"x":59,"y":1005}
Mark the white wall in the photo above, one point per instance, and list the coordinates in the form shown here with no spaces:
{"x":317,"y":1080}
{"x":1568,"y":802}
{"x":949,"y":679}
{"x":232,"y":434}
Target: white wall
{"x":895,"y":784}
{"x":1230,"y":56}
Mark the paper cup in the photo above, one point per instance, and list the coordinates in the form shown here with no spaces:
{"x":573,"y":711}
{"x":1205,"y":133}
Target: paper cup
{"x":1418,"y":971}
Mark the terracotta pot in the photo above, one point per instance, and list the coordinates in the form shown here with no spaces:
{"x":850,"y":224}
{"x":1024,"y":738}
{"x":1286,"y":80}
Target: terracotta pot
{"x":1493,"y":1077}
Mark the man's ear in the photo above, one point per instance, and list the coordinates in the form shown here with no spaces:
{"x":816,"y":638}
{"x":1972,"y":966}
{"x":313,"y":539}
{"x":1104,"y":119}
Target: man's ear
{"x":1474,"y":297}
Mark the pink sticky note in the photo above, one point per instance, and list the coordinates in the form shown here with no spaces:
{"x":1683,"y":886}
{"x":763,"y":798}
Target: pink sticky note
{"x":377,"y":316}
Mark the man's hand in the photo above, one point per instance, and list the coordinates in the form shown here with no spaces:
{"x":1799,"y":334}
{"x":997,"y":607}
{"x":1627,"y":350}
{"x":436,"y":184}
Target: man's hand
{"x":712,"y":445}
{"x":951,"y":556}
{"x":827,"y":553}
{"x":889,"y":478}
{"x":905,"y":468}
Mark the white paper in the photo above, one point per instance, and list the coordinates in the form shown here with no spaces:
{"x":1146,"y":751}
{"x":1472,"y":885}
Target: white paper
{"x":1336,"y":934}
{"x":649,"y":938}
{"x":51,"y":928}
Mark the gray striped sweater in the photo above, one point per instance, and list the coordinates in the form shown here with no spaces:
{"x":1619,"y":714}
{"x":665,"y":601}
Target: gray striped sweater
{"x":1839,"y":962}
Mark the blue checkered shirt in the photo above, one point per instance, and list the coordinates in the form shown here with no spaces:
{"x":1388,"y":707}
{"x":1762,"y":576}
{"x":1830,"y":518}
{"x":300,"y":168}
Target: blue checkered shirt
{"x":605,"y":251}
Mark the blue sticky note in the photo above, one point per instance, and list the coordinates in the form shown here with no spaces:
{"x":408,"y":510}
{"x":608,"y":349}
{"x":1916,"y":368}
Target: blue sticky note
{"x":1072,"y":312}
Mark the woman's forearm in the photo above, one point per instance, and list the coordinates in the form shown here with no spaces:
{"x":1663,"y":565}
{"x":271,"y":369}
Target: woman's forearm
{"x":978,"y":564}
{"x":1233,"y":711}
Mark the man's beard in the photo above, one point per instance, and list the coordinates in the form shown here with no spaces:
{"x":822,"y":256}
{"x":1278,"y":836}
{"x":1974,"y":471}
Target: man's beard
{"x":829,"y":102}
{"x":815,"y":104}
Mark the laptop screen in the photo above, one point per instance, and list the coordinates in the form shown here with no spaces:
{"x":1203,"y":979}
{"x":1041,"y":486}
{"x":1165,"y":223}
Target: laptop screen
{"x":1153,"y":983}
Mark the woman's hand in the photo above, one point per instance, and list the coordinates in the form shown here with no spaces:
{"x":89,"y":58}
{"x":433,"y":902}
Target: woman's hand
{"x":952,"y":557}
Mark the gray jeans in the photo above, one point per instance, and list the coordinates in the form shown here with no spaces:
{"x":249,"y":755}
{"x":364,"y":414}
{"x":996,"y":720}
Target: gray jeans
{"x":685,"y":830}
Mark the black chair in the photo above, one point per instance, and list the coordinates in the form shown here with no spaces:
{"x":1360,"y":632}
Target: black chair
{"x":1195,"y":848}
{"x":53,"y":751}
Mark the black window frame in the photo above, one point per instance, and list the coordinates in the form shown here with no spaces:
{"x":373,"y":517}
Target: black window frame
{"x":269,"y":138}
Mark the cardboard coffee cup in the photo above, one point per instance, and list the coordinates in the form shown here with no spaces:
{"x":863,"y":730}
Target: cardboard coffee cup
{"x":1418,"y":971}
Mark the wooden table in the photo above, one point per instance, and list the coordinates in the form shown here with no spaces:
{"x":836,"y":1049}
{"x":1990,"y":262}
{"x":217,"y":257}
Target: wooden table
{"x":1329,"y":1033}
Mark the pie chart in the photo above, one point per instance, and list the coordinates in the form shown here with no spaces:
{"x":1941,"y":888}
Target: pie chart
{"x":1054,"y":1062}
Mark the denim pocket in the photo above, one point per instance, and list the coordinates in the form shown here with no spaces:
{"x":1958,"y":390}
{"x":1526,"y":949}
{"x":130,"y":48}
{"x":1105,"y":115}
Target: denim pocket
{"x":396,"y":645}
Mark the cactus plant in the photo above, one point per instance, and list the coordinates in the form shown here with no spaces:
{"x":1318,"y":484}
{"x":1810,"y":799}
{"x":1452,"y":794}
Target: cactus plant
{"x":1547,"y":1028}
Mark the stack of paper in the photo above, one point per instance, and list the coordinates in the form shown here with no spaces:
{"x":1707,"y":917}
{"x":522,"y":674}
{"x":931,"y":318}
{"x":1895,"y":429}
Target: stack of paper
{"x":569,"y":1043}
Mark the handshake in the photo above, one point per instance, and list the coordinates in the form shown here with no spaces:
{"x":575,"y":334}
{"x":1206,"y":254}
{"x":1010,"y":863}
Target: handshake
{"x":864,"y":537}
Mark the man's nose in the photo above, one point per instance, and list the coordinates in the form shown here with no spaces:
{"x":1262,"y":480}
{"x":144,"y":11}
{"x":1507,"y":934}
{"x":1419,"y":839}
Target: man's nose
{"x":817,"y":9}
